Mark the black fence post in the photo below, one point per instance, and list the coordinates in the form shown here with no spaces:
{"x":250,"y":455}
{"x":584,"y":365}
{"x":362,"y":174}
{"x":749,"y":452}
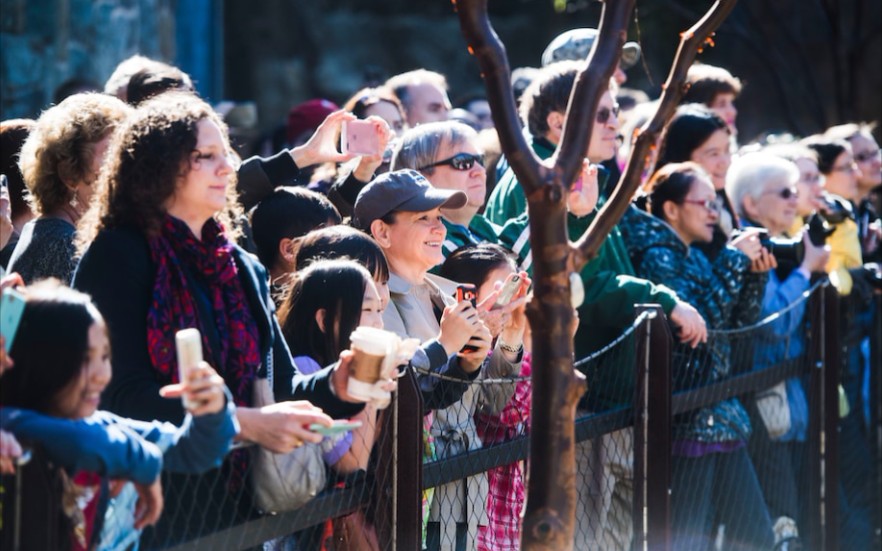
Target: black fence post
{"x":876,"y":410}
{"x":823,"y":456}
{"x":652,"y":432}
{"x":399,"y":461}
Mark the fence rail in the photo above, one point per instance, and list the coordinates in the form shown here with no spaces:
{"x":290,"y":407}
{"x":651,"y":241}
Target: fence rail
{"x":392,"y":490}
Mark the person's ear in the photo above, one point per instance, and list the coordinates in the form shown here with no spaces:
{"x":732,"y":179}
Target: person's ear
{"x":320,"y":319}
{"x":750,"y":207}
{"x":380,"y":233}
{"x":672,"y":211}
{"x":287,"y":250}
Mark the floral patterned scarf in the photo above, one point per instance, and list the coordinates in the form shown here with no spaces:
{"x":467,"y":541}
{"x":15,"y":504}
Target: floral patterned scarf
{"x":176,"y":251}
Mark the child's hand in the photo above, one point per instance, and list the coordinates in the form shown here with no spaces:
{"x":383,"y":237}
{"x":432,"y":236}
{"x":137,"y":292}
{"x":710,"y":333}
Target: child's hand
{"x":204,"y":390}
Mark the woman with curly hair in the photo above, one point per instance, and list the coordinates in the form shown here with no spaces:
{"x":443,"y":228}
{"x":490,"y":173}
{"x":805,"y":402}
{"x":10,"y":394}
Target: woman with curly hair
{"x":159,"y":257}
{"x":60,"y":161}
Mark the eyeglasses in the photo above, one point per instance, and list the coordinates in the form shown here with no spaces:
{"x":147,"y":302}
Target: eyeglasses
{"x":460,"y":161}
{"x":784,"y":193}
{"x":850,"y":167}
{"x":865,"y":156}
{"x":709,"y":204}
{"x":602,"y":116}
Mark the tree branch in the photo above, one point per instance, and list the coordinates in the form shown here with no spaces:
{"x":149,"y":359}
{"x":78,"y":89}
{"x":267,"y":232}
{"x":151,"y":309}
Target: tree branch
{"x":591,"y":82}
{"x":691,"y":42}
{"x":485,"y":45}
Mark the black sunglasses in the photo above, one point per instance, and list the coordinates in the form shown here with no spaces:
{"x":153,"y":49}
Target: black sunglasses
{"x":785,"y":193}
{"x":460,"y":161}
{"x":602,"y":116}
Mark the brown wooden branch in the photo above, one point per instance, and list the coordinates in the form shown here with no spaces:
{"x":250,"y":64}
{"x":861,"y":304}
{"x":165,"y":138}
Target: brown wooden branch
{"x":691,"y":42}
{"x":485,"y":45}
{"x":591,"y":83}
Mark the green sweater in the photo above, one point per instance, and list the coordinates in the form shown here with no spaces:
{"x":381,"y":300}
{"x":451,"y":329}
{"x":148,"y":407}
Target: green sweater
{"x":611,"y":291}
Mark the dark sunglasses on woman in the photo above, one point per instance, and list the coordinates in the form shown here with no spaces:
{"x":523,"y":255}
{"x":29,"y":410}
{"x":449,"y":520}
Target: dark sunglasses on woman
{"x":460,"y":161}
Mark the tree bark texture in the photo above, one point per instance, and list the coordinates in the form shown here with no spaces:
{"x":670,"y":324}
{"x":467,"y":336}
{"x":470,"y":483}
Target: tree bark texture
{"x":549,"y":521}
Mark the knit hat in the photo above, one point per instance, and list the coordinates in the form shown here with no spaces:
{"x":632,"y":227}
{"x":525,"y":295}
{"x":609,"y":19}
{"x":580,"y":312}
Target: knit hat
{"x":576,"y":43}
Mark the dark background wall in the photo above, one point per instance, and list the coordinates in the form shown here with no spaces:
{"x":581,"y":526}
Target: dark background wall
{"x":806,"y":65}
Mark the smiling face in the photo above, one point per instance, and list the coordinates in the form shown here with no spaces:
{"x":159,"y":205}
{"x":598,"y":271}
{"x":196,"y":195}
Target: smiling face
{"x":776,"y":208}
{"x":714,"y":157}
{"x":692,"y":219}
{"x":473,"y":182}
{"x":81,"y":396}
{"x":412,"y":243}
{"x":371,"y":307}
{"x":869,"y":161}
{"x":202,"y":190}
{"x":603,"y":144}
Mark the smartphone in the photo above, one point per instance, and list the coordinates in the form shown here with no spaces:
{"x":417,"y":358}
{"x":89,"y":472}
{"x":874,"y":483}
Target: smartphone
{"x":509,"y":288}
{"x":358,"y":137}
{"x":467,"y":291}
{"x":338,"y":427}
{"x":12,"y":305}
{"x":188,"y":343}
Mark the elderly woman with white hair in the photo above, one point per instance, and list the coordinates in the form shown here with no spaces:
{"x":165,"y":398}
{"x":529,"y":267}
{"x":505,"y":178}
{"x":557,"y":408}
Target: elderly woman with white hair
{"x":763,"y":189}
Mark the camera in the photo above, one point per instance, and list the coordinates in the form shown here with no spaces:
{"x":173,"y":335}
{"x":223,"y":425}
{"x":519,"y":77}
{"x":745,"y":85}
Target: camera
{"x":783,"y":249}
{"x":834,"y":210}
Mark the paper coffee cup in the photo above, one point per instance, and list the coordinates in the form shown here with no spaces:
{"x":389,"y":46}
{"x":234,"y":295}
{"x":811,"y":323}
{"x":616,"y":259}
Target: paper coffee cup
{"x":370,"y":346}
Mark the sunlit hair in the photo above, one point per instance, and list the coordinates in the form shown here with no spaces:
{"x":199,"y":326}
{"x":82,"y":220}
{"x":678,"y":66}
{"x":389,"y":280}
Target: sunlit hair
{"x":706,"y":82}
{"x":57,"y":154}
{"x":335,"y":286}
{"x":401,"y":84}
{"x":342,"y":242}
{"x":420,"y":145}
{"x":753,"y":173}
{"x":42,"y":371}
{"x":672,"y":182}
{"x":147,"y":160}
{"x":474,"y":263}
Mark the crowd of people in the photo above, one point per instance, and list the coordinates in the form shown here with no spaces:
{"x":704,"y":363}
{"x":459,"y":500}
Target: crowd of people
{"x":129,"y":215}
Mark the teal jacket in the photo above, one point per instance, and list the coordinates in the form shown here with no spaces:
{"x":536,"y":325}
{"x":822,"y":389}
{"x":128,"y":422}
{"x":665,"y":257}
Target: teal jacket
{"x":480,"y":230}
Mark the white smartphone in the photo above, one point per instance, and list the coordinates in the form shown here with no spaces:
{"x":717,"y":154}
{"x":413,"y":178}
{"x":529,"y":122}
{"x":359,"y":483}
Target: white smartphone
{"x":360,"y":138}
{"x":509,"y":288}
{"x":188,"y":343}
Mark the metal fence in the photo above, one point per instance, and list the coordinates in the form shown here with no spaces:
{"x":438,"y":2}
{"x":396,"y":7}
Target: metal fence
{"x":456,"y":478}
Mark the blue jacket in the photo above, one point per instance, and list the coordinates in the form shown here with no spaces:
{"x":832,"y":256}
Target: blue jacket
{"x":724,"y":293}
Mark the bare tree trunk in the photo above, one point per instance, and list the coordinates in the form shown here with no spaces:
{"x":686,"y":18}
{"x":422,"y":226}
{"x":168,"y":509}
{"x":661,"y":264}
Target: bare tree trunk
{"x":549,"y":521}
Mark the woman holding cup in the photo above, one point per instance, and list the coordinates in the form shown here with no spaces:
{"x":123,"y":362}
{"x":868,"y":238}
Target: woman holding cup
{"x":159,"y":256}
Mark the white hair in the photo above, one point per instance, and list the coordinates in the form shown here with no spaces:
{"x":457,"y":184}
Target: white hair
{"x":752,"y":174}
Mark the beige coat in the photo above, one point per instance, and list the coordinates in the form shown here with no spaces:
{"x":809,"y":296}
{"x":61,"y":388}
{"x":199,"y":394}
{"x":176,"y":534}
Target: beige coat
{"x":412,"y":313}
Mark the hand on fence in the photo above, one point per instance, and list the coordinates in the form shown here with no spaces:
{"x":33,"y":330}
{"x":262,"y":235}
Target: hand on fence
{"x":281,"y":427}
{"x":10,"y":450}
{"x":149,"y":506}
{"x":458,"y":323}
{"x":322,"y":145}
{"x":693,"y":330}
{"x":204,"y":390}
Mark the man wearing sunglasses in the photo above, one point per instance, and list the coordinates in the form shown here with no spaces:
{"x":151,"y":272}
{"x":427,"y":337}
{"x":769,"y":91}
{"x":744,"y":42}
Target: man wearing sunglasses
{"x":611,"y":291}
{"x":447,"y":154}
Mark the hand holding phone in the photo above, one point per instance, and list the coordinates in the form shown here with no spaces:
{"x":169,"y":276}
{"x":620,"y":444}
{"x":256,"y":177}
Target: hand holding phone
{"x":360,"y":137}
{"x":507,"y":292}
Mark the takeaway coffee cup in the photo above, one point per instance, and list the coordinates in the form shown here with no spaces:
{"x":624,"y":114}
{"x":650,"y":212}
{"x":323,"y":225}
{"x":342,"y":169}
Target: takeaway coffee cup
{"x":370,"y":347}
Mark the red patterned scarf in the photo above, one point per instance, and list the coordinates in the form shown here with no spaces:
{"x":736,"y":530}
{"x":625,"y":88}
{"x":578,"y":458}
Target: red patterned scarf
{"x":173,"y":306}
